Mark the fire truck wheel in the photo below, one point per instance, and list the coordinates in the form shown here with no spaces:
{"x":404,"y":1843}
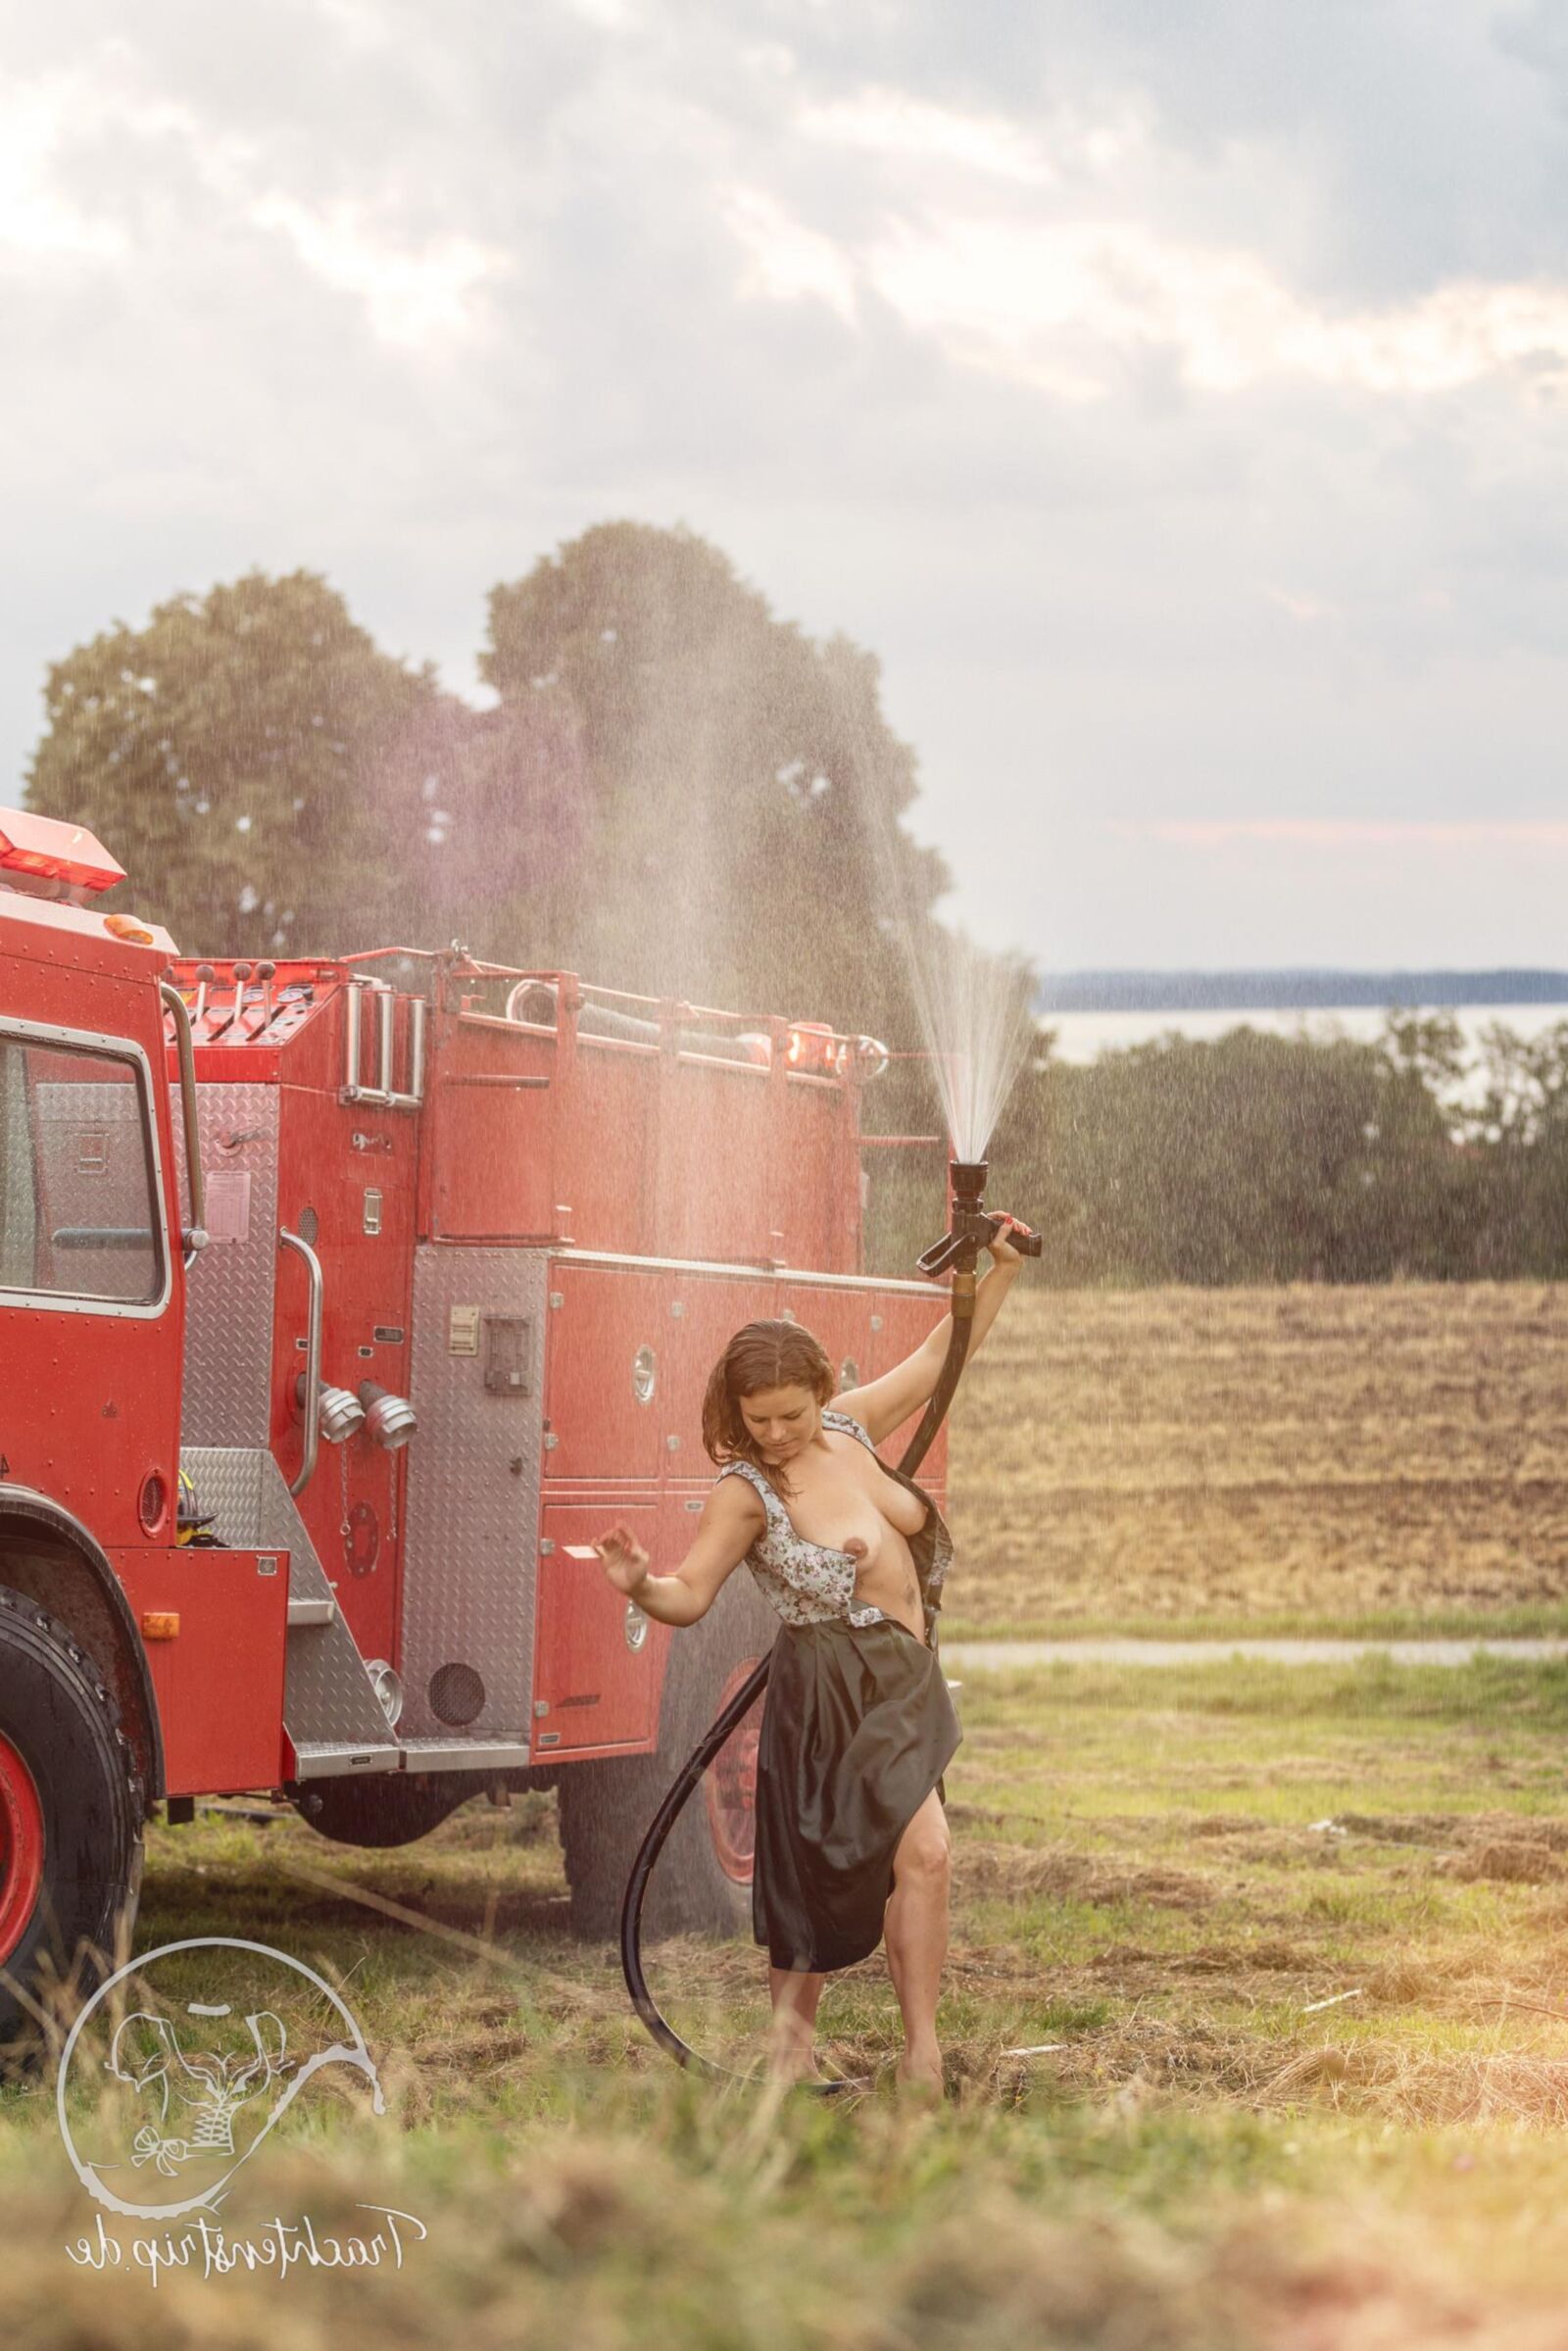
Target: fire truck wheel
{"x":70,"y":1810}
{"x":388,"y":1808}
{"x":702,"y":1882}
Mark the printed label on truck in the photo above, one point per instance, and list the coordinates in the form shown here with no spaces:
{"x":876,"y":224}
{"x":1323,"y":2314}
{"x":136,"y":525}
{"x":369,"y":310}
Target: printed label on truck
{"x":228,"y":1204}
{"x":463,"y":1330}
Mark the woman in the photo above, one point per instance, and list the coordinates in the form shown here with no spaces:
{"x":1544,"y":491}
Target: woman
{"x":852,"y":1842}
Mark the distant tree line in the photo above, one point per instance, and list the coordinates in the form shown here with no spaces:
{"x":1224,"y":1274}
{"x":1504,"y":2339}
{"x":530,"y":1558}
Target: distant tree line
{"x":1287,"y":990}
{"x":1259,"y":1158}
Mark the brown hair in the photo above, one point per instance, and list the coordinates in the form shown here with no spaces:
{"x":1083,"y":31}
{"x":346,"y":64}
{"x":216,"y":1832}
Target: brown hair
{"x":761,"y":1354}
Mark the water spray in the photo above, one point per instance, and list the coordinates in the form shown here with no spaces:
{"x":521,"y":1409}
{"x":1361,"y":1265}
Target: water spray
{"x":973,"y":1229}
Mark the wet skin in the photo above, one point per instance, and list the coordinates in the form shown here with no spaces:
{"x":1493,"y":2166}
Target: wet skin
{"x":840,"y":1498}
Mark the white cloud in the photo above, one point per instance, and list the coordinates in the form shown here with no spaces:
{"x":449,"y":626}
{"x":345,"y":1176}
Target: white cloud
{"x":365,"y":23}
{"x":1302,"y":607}
{"x":892,"y":122}
{"x":787,"y":260}
{"x":1063,"y":266}
{"x":1061,"y":303}
{"x":611,"y":15}
{"x":1341,"y":833}
{"x":416,"y":292}
{"x":37,"y":217}
{"x":412,"y":294}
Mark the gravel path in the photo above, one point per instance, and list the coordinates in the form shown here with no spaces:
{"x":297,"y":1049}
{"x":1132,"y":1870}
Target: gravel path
{"x":1000,"y":1657}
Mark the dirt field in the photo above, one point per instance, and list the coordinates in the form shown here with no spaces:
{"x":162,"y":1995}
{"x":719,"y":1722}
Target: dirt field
{"x":1384,"y":1457}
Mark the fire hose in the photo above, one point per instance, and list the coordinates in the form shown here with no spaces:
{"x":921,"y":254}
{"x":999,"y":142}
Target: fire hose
{"x":956,"y":1252}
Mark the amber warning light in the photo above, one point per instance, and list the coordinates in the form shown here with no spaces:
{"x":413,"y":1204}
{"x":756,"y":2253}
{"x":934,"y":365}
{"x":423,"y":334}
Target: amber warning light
{"x":51,"y":850}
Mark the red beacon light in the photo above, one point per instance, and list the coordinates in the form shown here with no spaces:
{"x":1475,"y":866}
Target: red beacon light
{"x":43,"y":850}
{"x":811,"y":1045}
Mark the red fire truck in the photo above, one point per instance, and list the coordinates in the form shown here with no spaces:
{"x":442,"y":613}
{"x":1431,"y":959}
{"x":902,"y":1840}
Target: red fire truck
{"x":343,"y":1301}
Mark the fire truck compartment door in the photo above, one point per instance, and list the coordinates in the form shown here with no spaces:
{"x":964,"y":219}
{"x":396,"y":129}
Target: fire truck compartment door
{"x":216,"y":1625}
{"x":607,"y":1369}
{"x":331,"y":1713}
{"x":599,"y":1660}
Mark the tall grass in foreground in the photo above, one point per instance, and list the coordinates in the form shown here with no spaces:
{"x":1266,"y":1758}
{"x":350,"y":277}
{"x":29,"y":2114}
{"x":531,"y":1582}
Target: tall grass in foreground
{"x":1281,"y":1942}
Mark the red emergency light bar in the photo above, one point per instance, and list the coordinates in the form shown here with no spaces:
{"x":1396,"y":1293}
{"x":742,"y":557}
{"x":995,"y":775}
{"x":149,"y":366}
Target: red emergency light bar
{"x":814,"y":1046}
{"x":52,"y":851}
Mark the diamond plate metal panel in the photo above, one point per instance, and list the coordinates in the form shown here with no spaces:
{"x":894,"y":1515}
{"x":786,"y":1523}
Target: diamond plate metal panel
{"x":228,"y":1335}
{"x":472,"y":1506}
{"x":327,"y":1698}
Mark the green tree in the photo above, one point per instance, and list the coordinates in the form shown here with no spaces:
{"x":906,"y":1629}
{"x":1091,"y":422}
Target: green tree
{"x":1250,"y":1158}
{"x":504,"y":873}
{"x":1429,"y":1046}
{"x":1515,"y":1129}
{"x":729,"y":767}
{"x":268,"y":774}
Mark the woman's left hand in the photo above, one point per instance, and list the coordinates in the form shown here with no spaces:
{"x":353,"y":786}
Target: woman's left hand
{"x":1002,"y":1249}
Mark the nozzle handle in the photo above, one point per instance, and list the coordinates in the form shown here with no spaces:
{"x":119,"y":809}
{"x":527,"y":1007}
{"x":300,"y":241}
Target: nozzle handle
{"x":940,"y":1255}
{"x":1027,"y":1245}
{"x":944,"y":1254}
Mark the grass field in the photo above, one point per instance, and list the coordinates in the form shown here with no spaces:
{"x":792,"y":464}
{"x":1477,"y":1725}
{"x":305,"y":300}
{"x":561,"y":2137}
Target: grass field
{"x":1303,"y":1459}
{"x":1285,"y":1945}
{"x":1277,"y":1925}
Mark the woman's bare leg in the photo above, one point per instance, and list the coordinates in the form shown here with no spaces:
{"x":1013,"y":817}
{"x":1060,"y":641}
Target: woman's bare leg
{"x":915,"y":1932}
{"x":795,"y":1995}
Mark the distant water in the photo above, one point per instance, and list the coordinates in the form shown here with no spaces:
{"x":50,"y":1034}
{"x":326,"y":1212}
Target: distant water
{"x":1082,"y":1037}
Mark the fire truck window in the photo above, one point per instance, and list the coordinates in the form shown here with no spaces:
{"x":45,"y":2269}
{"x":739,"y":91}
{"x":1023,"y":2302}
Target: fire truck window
{"x":76,"y":1207}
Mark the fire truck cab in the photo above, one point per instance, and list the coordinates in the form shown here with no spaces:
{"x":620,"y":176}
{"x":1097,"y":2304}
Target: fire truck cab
{"x":343,"y":1301}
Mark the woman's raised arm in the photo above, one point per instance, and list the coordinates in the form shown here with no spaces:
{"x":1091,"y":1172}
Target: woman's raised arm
{"x":886,"y":1404}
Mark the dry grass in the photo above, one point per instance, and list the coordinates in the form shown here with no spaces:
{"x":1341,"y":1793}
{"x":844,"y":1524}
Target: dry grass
{"x":1281,"y":1942}
{"x":1286,"y":1944}
{"x":1331,"y":1456}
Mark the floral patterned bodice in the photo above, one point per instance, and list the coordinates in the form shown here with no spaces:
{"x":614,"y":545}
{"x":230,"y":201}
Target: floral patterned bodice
{"x":809,"y":1583}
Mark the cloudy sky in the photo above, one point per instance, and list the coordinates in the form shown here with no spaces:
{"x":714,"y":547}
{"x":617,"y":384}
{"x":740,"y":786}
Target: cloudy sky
{"x":1173,"y":392}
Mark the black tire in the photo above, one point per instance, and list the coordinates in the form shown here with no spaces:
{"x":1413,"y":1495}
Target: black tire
{"x":386,"y":1808}
{"x":606,"y":1807}
{"x":59,"y":1717}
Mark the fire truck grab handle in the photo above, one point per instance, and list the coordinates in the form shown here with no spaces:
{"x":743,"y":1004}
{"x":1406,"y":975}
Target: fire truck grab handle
{"x":312,"y":1361}
{"x":194,"y":1238}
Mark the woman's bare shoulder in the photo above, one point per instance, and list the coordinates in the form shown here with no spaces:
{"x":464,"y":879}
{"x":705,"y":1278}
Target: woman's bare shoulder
{"x":733,"y":1496}
{"x":843,"y":1408}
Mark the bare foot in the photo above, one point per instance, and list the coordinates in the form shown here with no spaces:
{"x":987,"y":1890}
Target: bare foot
{"x":919,"y":2080}
{"x":792,"y":2061}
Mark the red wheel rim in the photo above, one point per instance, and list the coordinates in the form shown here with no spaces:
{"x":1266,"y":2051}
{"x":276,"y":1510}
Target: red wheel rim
{"x":21,"y":1848}
{"x":730,"y":1785}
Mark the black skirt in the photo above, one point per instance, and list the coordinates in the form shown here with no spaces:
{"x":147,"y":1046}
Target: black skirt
{"x":858,"y":1729}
